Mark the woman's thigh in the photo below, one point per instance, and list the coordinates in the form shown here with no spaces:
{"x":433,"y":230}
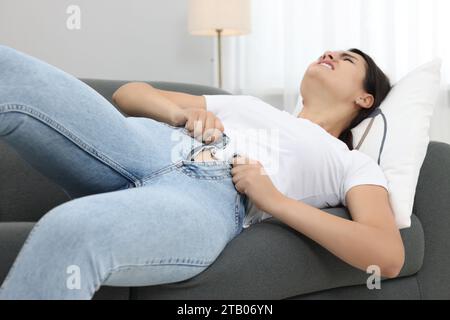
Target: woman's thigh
{"x":73,"y":135}
{"x":191,"y":221}
{"x":168,"y":230}
{"x":164,"y":232}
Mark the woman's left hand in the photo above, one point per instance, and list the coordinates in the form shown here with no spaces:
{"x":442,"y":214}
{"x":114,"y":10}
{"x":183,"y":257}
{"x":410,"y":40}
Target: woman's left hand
{"x":250,"y":178}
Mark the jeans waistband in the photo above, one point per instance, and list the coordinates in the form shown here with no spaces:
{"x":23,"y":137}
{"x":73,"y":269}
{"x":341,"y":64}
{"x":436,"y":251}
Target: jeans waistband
{"x":220,"y":144}
{"x":207,"y":170}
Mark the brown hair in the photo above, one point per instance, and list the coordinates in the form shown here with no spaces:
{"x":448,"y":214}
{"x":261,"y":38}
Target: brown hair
{"x":375,"y":83}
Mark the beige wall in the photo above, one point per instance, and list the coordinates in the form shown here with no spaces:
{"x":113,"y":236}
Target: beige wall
{"x":118,"y":39}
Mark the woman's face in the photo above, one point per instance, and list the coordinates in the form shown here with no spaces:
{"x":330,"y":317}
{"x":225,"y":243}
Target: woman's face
{"x":336,"y":75}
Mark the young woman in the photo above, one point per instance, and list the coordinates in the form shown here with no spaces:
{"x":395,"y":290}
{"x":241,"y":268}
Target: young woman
{"x":158,"y":195}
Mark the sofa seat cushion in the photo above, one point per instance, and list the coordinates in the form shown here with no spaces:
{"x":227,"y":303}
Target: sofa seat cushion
{"x":12,"y":237}
{"x":273,"y":261}
{"x":266,"y":261}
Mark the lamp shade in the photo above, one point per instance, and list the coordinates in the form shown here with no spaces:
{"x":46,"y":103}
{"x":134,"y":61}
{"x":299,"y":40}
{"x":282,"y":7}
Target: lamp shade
{"x":230,"y":16}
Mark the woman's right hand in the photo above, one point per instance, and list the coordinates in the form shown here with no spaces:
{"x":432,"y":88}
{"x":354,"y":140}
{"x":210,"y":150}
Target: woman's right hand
{"x":203,"y":125}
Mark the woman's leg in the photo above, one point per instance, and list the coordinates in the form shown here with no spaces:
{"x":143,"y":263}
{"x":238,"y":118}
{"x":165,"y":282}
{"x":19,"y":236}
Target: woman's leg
{"x":168,"y":230}
{"x":71,"y":134}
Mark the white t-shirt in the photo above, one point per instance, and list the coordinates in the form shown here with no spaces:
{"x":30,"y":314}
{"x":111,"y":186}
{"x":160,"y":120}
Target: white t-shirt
{"x":302,"y":159}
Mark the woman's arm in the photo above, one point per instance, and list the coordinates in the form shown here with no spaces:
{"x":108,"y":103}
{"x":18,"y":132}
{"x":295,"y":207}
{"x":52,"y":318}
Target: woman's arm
{"x":139,"y":99}
{"x":372,"y":238}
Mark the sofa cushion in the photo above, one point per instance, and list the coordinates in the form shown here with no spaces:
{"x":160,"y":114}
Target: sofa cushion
{"x":266,"y":261}
{"x":12,"y":238}
{"x":25,"y":194}
{"x":405,"y":288}
{"x":273,"y":261}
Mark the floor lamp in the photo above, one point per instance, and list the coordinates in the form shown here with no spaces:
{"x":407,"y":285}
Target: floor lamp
{"x":219,"y":18}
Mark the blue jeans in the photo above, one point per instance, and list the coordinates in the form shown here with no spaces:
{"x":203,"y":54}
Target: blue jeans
{"x":142,"y":213}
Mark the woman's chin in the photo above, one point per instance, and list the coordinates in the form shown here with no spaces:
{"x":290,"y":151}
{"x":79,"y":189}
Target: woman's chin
{"x":318,"y":79}
{"x":318,"y":72}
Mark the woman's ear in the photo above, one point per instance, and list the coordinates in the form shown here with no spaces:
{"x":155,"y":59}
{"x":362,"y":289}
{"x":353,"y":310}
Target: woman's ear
{"x":365,"y":101}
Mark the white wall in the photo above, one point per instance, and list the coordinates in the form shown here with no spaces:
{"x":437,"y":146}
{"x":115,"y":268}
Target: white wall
{"x":118,"y":39}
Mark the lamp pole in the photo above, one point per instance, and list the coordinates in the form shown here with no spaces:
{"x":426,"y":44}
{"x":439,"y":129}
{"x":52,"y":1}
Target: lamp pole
{"x":219,"y":54}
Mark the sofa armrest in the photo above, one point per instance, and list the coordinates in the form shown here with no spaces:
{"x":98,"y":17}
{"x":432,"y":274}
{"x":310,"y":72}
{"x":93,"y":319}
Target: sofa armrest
{"x":432,"y":206}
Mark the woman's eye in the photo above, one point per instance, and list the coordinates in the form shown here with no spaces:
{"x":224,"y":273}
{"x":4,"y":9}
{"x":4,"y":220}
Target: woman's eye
{"x":347,"y":59}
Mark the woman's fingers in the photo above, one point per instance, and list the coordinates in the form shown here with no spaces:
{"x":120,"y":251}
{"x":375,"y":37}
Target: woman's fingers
{"x":238,"y":176}
{"x":238,"y":181}
{"x":204,"y":126}
{"x":218,"y":129}
{"x":199,"y":127}
{"x":208,"y":133}
{"x":240,"y":161}
{"x":195,"y":125}
{"x":238,"y":169}
{"x":187,"y":125}
{"x":218,"y":124}
{"x":240,"y":186}
{"x":192,"y":116}
{"x":213,"y":128}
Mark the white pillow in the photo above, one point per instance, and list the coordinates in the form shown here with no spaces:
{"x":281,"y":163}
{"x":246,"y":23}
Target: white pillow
{"x":408,"y":110}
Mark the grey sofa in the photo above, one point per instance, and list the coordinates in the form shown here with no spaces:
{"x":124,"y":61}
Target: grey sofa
{"x":269,"y":260}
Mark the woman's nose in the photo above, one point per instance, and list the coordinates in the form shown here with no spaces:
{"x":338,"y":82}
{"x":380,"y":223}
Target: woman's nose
{"x":328,"y":54}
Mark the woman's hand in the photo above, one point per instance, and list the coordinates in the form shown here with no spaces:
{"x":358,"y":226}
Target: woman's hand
{"x":250,"y":178}
{"x":203,"y":125}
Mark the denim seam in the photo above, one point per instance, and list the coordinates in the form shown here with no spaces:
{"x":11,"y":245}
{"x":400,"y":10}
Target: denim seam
{"x":197,"y":263}
{"x":205,"y":177}
{"x":160,"y":172}
{"x":179,"y":167}
{"x":237,"y":207}
{"x":167,"y":262}
{"x":213,"y":163}
{"x":69,"y":135}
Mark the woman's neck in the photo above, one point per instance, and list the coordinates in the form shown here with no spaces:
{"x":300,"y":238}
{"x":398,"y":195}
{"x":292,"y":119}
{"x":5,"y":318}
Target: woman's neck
{"x":332,"y":122}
